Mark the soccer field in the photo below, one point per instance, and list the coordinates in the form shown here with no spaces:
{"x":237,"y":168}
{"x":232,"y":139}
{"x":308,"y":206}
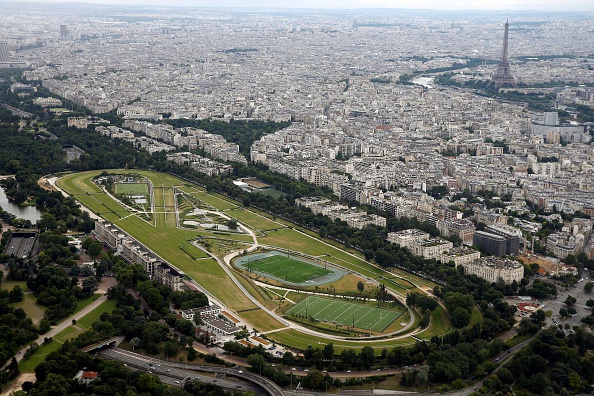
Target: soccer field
{"x":131,"y":188}
{"x":286,"y":268}
{"x":345,"y":313}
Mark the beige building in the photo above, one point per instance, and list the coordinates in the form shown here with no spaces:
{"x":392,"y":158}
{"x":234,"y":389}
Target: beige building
{"x":492,"y":269}
{"x":459,"y":255}
{"x":407,"y":238}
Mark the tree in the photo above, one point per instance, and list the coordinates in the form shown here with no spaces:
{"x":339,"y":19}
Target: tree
{"x":192,"y":354}
{"x":257,"y":362}
{"x":505,"y":376}
{"x":360,"y":286}
{"x":288,"y":358}
{"x":367,"y":357}
{"x":95,"y":249}
{"x":232,"y":224}
{"x":570,"y":301}
{"x":563,"y":312}
{"x":323,"y":232}
{"x":135,"y":342}
{"x":460,"y":317}
{"x":328,"y":351}
{"x":171,"y":349}
{"x":588,"y":287}
{"x":16,"y":294}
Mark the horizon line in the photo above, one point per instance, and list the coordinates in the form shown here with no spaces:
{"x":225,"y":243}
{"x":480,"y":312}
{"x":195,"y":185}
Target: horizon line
{"x":289,"y":7}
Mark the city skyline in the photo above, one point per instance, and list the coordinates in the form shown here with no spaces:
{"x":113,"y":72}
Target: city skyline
{"x":480,"y":5}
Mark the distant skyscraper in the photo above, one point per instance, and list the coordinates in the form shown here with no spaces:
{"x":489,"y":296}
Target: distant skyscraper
{"x":4,"y":52}
{"x":63,"y":32}
{"x":503,"y":74}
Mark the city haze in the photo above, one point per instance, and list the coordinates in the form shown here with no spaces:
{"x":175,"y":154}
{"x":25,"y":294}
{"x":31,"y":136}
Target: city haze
{"x":502,"y":5}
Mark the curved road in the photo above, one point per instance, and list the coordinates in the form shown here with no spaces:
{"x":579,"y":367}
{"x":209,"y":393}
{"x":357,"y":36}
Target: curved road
{"x":183,"y":371}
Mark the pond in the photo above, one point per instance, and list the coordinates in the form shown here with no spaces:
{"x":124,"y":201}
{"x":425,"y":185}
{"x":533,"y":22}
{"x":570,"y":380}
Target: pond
{"x":30,"y":213}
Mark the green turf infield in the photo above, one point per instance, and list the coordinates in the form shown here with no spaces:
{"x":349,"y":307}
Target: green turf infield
{"x":131,"y":188}
{"x":286,"y":268}
{"x":345,"y":313}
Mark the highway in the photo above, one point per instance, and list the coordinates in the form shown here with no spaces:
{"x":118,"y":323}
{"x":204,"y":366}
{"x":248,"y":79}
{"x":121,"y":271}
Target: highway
{"x":180,"y":372}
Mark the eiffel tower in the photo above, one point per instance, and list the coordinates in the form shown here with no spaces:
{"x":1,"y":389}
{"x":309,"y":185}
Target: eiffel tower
{"x":503,"y":74}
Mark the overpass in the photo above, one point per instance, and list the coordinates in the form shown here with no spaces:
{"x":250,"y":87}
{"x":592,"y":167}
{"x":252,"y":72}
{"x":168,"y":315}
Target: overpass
{"x":109,"y":342}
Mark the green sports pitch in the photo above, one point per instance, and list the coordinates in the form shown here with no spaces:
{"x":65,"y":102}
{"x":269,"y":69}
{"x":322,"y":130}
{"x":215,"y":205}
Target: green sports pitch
{"x":131,"y":188}
{"x":345,"y":313}
{"x":286,"y":268}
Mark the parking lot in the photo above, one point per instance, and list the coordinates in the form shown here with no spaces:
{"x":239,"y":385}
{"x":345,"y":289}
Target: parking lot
{"x":556,"y":303}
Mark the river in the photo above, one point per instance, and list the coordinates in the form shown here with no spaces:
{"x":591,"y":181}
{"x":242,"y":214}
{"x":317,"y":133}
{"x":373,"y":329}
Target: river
{"x":30,"y":213}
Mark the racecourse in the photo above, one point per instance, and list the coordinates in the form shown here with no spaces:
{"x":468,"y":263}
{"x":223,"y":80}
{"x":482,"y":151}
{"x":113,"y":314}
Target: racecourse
{"x":174,"y":243}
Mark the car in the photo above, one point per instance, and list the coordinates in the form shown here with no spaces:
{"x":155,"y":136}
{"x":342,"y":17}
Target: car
{"x":475,"y":388}
{"x":306,"y":370}
{"x":293,"y":369}
{"x":239,"y":386}
{"x":214,"y":380}
{"x":240,"y":372}
{"x":168,"y":370}
{"x":497,"y":359}
{"x":348,"y":371}
{"x":125,"y":365}
{"x":177,"y":382}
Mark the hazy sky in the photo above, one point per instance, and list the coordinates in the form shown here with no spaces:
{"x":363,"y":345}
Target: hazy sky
{"x":509,"y":5}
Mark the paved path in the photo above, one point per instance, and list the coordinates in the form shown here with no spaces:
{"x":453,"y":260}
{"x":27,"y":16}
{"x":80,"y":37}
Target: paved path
{"x":64,"y":324}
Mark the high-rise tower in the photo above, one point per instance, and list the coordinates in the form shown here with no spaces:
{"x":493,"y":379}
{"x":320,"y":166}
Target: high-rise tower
{"x":503,"y":74}
{"x":4,"y":54}
{"x":63,"y":32}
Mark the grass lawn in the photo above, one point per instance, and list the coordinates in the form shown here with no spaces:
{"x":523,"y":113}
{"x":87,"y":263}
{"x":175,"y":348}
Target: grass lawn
{"x":68,"y":333}
{"x":345,"y":313}
{"x":81,"y":304}
{"x":301,"y":341}
{"x":29,"y":365}
{"x":261,"y":321}
{"x":31,"y":308}
{"x":262,"y":295}
{"x":287,"y":268}
{"x":476,"y":317}
{"x":348,"y":285}
{"x":210,"y":199}
{"x":87,"y":320}
{"x":253,"y":219}
{"x":440,"y":324}
{"x":10,"y":284}
{"x":131,"y":188}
